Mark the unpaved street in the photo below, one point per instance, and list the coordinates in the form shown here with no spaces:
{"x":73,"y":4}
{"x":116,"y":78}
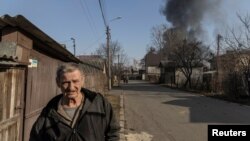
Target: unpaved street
{"x":156,"y":113}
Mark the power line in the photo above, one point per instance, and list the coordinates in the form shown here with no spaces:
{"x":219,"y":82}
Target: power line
{"x":103,"y":16}
{"x":97,"y":41}
{"x":104,"y":11}
{"x":65,"y":41}
{"x":89,"y":17}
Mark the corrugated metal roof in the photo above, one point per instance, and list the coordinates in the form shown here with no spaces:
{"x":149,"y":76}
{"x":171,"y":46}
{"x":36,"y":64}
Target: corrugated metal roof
{"x":52,"y":46}
{"x":9,"y":63}
{"x":7,"y":51}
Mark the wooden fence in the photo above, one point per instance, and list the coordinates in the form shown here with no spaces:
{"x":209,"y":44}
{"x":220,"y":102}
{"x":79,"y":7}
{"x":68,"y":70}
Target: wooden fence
{"x":40,"y":85}
{"x":95,"y":79}
{"x":11,"y":103}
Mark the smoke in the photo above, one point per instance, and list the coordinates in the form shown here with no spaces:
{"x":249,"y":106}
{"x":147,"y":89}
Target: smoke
{"x":188,"y":15}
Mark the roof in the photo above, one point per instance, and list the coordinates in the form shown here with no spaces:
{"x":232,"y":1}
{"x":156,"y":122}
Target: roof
{"x":87,"y":57}
{"x":50,"y":46}
{"x":166,"y":63}
{"x":152,"y":59}
{"x":8,"y":56}
{"x":93,"y":61}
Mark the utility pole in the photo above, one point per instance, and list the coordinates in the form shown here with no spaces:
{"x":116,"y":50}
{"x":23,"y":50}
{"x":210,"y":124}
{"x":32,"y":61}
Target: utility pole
{"x":108,"y":57}
{"x":108,"y":52}
{"x":218,"y":85}
{"x":119,"y":72}
{"x":74,"y":45}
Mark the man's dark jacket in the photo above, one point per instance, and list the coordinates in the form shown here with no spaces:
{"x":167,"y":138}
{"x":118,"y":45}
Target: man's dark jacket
{"x":96,"y":122}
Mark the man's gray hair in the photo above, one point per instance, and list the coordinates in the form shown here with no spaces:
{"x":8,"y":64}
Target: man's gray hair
{"x":66,"y":68}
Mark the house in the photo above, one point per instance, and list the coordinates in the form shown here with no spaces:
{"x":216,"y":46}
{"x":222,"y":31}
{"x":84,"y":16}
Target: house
{"x":152,"y":61}
{"x":196,"y":77}
{"x":232,"y":72}
{"x":172,"y":74}
{"x":28,"y":62}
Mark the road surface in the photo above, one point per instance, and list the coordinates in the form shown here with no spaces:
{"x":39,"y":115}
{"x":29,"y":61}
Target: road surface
{"x":157,"y":113}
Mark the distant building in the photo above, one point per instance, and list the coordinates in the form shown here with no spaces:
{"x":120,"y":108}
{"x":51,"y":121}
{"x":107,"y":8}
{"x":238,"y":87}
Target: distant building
{"x":152,"y":61}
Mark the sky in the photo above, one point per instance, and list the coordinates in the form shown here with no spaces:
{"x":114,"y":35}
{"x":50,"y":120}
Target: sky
{"x":82,"y":20}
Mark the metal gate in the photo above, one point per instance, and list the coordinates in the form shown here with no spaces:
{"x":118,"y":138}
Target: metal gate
{"x":12,"y":82}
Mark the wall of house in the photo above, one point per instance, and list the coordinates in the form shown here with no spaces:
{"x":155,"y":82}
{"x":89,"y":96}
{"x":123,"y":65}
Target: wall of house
{"x":40,"y":88}
{"x":153,"y":70}
{"x":196,"y":77}
{"x":35,"y":84}
{"x":153,"y":74}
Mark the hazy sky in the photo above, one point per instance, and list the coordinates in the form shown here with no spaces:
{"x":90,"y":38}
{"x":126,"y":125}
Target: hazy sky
{"x":82,"y":20}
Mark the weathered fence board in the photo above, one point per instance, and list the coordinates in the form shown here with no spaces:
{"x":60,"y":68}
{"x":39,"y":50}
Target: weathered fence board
{"x":11,"y":93}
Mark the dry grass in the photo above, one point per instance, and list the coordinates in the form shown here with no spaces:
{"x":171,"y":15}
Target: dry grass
{"x":115,"y":102}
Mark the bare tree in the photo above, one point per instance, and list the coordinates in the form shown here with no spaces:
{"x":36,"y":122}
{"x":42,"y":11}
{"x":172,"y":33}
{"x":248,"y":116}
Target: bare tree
{"x":188,"y":55}
{"x":157,"y":33}
{"x":238,"y":43}
{"x":173,"y":44}
{"x":116,"y":52}
{"x":151,"y":49}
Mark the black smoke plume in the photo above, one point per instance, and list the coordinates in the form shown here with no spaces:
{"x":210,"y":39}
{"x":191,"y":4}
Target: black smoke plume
{"x":187,"y":15}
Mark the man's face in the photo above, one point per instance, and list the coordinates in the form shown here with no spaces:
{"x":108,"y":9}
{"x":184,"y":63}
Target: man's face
{"x":71,"y":83}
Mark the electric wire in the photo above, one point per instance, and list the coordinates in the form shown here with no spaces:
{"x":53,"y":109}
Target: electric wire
{"x":92,"y":45}
{"x":103,"y":15}
{"x":89,"y":19}
{"x":85,"y":9}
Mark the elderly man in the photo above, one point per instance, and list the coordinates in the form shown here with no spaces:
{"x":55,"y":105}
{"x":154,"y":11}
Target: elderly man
{"x":77,"y":114}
